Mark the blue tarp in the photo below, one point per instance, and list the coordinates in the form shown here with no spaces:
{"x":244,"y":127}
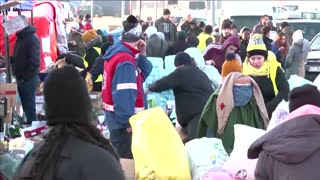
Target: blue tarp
{"x":115,"y":33}
{"x":26,"y":5}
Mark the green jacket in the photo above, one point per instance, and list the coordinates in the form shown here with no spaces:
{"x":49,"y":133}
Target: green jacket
{"x":246,"y":115}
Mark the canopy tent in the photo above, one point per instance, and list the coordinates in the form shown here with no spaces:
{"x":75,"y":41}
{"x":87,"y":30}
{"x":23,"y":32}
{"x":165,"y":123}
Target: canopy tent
{"x":45,"y":22}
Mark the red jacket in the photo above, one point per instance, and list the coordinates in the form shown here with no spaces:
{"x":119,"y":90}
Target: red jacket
{"x":110,"y":67}
{"x":216,"y":52}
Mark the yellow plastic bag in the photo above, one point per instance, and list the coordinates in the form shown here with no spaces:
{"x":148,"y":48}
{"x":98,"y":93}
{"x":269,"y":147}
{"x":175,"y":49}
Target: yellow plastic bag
{"x":157,"y":148}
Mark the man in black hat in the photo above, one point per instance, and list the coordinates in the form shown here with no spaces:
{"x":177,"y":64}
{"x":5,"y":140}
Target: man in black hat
{"x":165,"y":25}
{"x":125,"y":69}
{"x":25,"y":67}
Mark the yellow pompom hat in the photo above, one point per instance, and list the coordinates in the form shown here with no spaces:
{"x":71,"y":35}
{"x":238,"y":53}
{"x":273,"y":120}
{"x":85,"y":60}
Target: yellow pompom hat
{"x":89,"y":35}
{"x":256,"y":46}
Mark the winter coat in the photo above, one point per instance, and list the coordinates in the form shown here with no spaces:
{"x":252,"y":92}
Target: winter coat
{"x":156,"y":47}
{"x":216,"y":52}
{"x":297,"y":56}
{"x":243,"y":50}
{"x":79,"y":48}
{"x":91,"y":54}
{"x":248,"y":114}
{"x":257,"y":28}
{"x":26,"y":56}
{"x":267,"y":41}
{"x":191,"y":89}
{"x":288,"y":31}
{"x":79,"y":160}
{"x":87,"y":25}
{"x":168,"y":28}
{"x":196,"y":31}
{"x":281,"y":57}
{"x":290,"y":151}
{"x":176,"y":47}
{"x":266,"y":86}
{"x":209,"y":70}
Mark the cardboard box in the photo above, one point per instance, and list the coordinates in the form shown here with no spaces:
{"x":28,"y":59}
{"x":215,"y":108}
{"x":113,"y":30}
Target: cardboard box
{"x":10,"y":91}
{"x":128,"y":168}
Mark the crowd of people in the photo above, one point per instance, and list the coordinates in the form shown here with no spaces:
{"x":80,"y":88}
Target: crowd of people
{"x":222,"y":78}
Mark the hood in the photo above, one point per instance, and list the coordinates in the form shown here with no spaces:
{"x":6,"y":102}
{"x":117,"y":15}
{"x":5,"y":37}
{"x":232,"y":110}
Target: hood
{"x":292,"y":142}
{"x":288,"y":30}
{"x":119,"y":47}
{"x":26,"y":31}
{"x":303,"y":110}
{"x":297,"y":36}
{"x":161,"y":35}
{"x":93,"y":42}
{"x":305,"y":45}
{"x":232,"y":40}
{"x":150,"y":31}
{"x":197,"y":56}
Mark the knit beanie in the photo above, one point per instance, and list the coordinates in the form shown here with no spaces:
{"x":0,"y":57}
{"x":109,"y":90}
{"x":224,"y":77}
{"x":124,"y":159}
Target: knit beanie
{"x":132,"y":30}
{"x":256,"y":46}
{"x":166,"y":12}
{"x":193,"y":40}
{"x":89,"y":35}
{"x":183,"y":58}
{"x":181,"y":35}
{"x":303,"y":95}
{"x":75,"y":60}
{"x":231,"y":64}
{"x":244,"y":29}
{"x":66,"y":97}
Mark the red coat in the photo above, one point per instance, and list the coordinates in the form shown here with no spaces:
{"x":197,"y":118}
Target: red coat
{"x":110,"y":68}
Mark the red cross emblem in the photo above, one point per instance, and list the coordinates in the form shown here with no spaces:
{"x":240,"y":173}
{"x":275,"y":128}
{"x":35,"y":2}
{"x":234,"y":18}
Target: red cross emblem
{"x":222,"y":106}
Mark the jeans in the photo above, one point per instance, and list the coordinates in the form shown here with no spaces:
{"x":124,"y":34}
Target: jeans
{"x":242,"y":95}
{"x":27,"y":93}
{"x":121,"y":141}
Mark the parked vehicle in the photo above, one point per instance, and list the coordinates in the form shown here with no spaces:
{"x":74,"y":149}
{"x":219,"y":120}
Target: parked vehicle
{"x":313,"y":61}
{"x":309,"y":27}
{"x":85,"y":8}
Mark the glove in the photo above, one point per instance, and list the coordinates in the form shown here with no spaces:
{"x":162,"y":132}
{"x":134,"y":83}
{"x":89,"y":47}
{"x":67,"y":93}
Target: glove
{"x":89,"y":82}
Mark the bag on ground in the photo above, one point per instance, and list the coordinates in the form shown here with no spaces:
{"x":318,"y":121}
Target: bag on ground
{"x":157,"y":148}
{"x":205,"y":154}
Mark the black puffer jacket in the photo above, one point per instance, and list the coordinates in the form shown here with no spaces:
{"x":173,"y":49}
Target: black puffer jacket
{"x":26,"y":56}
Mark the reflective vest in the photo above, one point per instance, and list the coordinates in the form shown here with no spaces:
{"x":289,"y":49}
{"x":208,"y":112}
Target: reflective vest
{"x":85,"y":62}
{"x":203,"y":37}
{"x":108,"y":73}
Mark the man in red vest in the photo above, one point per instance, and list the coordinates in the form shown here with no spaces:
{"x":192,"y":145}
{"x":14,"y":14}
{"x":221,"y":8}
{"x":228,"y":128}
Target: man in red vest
{"x":125,"y":69}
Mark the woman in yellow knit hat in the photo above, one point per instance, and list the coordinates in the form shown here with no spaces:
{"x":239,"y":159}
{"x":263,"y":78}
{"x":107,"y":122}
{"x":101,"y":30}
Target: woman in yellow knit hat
{"x":264,"y":68}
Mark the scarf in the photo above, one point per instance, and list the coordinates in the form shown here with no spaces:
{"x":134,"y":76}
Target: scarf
{"x":269,"y":69}
{"x":225,"y":101}
{"x":248,"y":69}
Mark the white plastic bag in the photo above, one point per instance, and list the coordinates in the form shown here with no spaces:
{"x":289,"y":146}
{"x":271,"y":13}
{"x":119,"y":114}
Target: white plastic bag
{"x":238,"y":165}
{"x":297,"y":81}
{"x":316,"y":82}
{"x":205,"y":154}
{"x":279,"y":115}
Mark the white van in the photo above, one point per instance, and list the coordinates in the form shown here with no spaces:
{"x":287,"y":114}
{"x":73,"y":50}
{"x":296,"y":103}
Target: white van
{"x":238,"y":12}
{"x":198,"y":8}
